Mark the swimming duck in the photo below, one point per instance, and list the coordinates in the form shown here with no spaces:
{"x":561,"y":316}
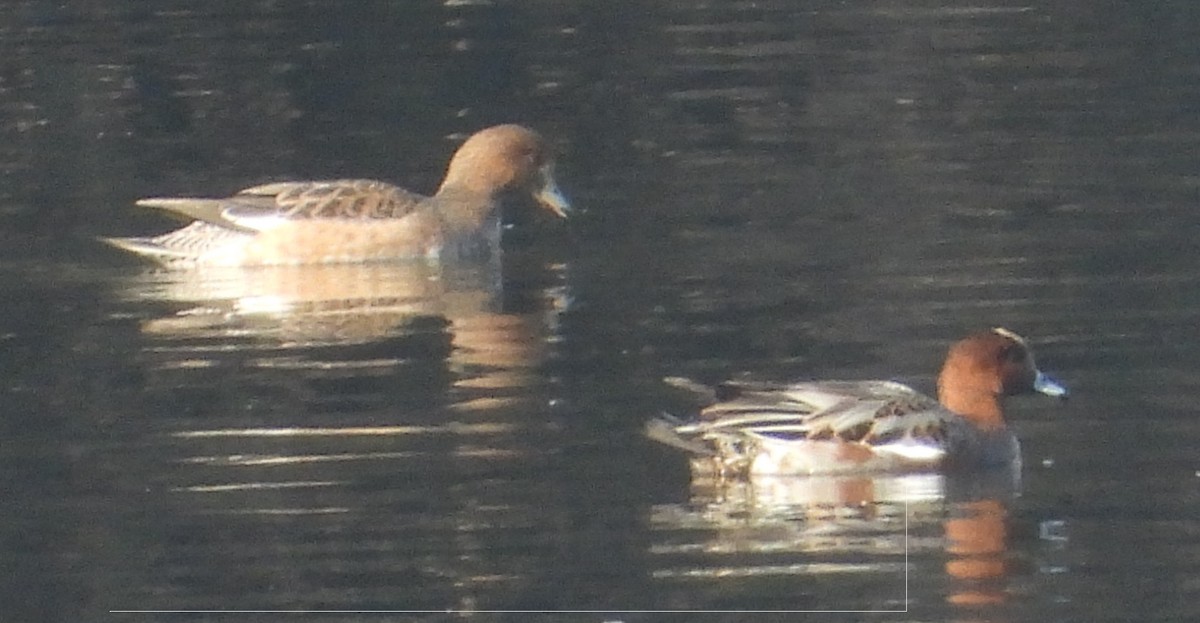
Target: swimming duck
{"x":356,"y":220}
{"x":833,"y":427}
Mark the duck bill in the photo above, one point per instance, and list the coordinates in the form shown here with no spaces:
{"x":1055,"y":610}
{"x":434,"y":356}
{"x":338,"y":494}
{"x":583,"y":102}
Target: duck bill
{"x":549,"y":195}
{"x":1046,"y":385}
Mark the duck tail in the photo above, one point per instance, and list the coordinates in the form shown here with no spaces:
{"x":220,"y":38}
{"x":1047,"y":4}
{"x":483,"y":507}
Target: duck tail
{"x":696,"y":391}
{"x":665,"y":430}
{"x":148,"y":248}
{"x":213,"y":211}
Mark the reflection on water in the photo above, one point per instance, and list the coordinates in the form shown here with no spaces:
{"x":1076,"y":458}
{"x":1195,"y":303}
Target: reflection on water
{"x":307,"y":417}
{"x":286,"y":313}
{"x":868,"y":535}
{"x":977,"y":540}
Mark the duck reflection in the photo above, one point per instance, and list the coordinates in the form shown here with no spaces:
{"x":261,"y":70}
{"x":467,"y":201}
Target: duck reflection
{"x":298,"y":305}
{"x":339,"y":421}
{"x":977,"y":542}
{"x":861,"y":540}
{"x":294,"y":308}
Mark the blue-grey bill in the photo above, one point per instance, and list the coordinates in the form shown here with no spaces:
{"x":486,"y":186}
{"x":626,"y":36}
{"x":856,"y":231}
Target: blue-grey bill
{"x":1049,"y":386}
{"x":550,"y":196}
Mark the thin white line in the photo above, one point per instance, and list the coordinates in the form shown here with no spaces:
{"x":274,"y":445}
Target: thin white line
{"x":906,"y":567}
{"x":450,"y":611}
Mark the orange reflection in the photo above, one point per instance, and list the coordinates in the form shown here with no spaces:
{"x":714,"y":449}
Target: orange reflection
{"x":859,"y":528}
{"x":978,"y":542}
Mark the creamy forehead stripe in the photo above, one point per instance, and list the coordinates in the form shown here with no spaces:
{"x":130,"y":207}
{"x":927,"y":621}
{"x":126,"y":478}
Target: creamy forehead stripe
{"x":1009,"y":334}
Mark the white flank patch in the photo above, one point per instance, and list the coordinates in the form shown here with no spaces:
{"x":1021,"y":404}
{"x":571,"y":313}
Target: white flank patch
{"x":265,"y":222}
{"x":913,"y":451}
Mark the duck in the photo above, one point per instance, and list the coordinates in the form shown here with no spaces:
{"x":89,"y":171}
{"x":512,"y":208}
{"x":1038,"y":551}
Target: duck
{"x":748,"y":429}
{"x":360,"y":220}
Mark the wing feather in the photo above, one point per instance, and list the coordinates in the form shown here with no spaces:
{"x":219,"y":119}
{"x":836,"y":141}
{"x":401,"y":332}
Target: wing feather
{"x":260,"y":208}
{"x":870,"y":412}
{"x":353,"y":199}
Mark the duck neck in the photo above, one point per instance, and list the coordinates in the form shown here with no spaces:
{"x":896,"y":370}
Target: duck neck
{"x":980,"y":406}
{"x":462,"y":208}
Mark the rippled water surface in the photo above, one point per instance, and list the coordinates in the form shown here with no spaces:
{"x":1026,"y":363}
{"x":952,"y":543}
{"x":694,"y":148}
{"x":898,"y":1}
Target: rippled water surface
{"x":778,"y":189}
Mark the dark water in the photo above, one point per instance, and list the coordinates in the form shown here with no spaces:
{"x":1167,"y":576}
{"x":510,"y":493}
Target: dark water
{"x":786,"y":189}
